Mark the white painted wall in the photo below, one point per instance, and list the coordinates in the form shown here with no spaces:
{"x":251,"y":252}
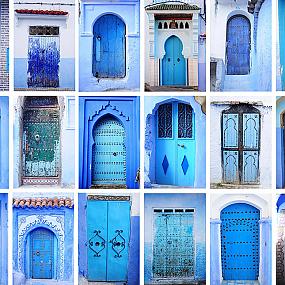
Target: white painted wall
{"x":265,"y":141}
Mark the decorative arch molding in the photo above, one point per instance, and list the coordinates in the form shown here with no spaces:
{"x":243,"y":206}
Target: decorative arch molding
{"x":27,"y":223}
{"x":109,"y":13}
{"x":222,"y":201}
{"x":242,"y":13}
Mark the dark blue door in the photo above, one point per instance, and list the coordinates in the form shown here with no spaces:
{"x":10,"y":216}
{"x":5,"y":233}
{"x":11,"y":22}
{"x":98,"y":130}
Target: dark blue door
{"x":108,"y":231}
{"x":109,"y":153}
{"x":173,"y":63}
{"x":240,"y":242}
{"x":175,"y":145}
{"x":174,"y":246}
{"x":109,"y":47}
{"x":238,"y":45}
{"x":42,"y":253}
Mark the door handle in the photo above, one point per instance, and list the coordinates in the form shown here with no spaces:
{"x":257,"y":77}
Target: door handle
{"x":98,"y":48}
{"x":181,"y":145}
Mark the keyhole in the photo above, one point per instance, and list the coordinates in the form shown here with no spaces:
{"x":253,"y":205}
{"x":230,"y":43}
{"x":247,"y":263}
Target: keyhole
{"x":178,"y":59}
{"x":168,"y":59}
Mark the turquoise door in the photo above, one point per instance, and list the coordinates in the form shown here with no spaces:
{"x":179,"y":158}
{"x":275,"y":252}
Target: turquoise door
{"x":108,"y":232}
{"x":240,"y":242}
{"x":109,"y":47}
{"x":174,"y":246}
{"x":175,"y":144}
{"x":42,"y":253}
{"x":173,"y":63}
{"x":109,"y":153}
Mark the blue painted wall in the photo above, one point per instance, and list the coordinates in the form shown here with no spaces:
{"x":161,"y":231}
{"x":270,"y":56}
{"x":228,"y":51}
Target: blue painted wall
{"x":202,"y":57}
{"x":133,"y":263}
{"x":196,"y":201}
{"x":281,"y":19}
{"x":4,"y":239}
{"x":151,"y":105}
{"x":280,"y":171}
{"x":4,"y":142}
{"x":66,"y":73}
{"x":67,"y":213}
{"x":126,"y":110}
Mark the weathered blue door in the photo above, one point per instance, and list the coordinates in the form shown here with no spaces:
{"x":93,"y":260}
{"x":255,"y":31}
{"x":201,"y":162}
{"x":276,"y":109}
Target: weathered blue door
{"x":240,"y":242}
{"x":174,"y":246}
{"x":175,"y":144}
{"x":43,"y":57}
{"x":109,"y":153}
{"x":41,"y":134}
{"x":238,"y":45}
{"x":42,"y":253}
{"x":108,"y":232}
{"x":173,"y":63}
{"x":240,"y":145}
{"x":109,"y":47}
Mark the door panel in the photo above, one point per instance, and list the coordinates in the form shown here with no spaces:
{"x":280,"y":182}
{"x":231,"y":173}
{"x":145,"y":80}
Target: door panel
{"x":251,"y":130}
{"x":173,"y":63}
{"x":43,"y":61}
{"x":238,"y":45}
{"x":230,"y":130}
{"x":231,"y":166}
{"x":109,"y":59}
{"x":108,"y":229}
{"x":175,"y":145}
{"x":41,"y":148}
{"x":250,"y":166}
{"x":173,"y":248}
{"x":109,"y":153}
{"x":42,"y":243}
{"x":240,"y":242}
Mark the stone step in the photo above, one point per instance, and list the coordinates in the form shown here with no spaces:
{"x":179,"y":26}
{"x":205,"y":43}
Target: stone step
{"x":238,"y":83}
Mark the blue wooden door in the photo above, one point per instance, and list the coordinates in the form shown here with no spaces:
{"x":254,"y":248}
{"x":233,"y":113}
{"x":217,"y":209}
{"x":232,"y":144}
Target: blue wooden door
{"x":108,"y":232}
{"x":43,"y":57}
{"x":240,"y":242}
{"x":109,"y":47}
{"x":238,"y":45}
{"x":240,"y":147}
{"x":175,"y":144}
{"x":42,"y":254}
{"x":174,"y":246}
{"x":109,"y":153}
{"x":173,"y":63}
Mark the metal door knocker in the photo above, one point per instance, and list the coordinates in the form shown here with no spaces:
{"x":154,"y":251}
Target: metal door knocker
{"x":37,"y":137}
{"x":178,"y":59}
{"x":115,"y":153}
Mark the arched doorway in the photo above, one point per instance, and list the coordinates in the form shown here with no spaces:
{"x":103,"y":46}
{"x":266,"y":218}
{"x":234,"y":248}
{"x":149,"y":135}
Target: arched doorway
{"x":109,"y":153}
{"x":175,"y":144}
{"x":238,"y":45}
{"x":109,"y":47}
{"x":42,"y":254}
{"x":173,"y":63}
{"x":41,"y":140}
{"x":240,"y":242}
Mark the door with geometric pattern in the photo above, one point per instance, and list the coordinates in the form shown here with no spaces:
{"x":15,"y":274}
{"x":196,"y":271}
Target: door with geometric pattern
{"x":175,"y":144}
{"x":108,"y":236}
{"x":240,"y":242}
{"x":241,"y":144}
{"x":174,"y":243}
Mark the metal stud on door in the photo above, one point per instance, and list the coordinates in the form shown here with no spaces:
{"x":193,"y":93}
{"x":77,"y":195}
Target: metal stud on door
{"x":108,"y":231}
{"x":42,"y":249}
{"x":240,"y":242}
{"x":173,"y":248}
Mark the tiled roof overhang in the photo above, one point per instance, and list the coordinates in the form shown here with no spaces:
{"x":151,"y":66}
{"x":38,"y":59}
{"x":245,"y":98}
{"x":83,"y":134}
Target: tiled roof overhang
{"x":41,"y":12}
{"x":166,"y":6}
{"x":43,"y":202}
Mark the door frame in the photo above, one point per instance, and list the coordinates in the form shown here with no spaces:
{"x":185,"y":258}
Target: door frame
{"x":174,"y":280}
{"x":240,"y":109}
{"x":161,"y":59}
{"x":235,"y":14}
{"x":27,"y":250}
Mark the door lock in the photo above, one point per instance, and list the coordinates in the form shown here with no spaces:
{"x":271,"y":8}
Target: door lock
{"x":182,"y":145}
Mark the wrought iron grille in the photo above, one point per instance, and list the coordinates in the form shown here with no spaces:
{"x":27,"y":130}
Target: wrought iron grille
{"x":43,"y":31}
{"x":185,"y":123}
{"x":164,"y":114}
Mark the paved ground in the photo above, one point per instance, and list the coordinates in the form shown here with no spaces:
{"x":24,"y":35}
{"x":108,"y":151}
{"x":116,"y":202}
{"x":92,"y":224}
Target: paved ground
{"x":238,"y":83}
{"x":231,"y":186}
{"x":169,"y":88}
{"x":240,"y":282}
{"x":47,"y":282}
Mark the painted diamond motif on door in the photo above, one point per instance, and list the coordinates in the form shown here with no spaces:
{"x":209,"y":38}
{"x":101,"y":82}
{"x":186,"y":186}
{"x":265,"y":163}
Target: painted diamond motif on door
{"x":165,"y":164}
{"x":185,"y":165}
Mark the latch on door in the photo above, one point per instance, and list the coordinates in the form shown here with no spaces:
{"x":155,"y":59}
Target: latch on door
{"x":181,"y":145}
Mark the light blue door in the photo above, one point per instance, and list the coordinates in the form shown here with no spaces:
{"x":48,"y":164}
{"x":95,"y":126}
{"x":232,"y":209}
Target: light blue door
{"x":109,"y":153}
{"x":42,"y":253}
{"x":108,"y":231}
{"x":240,"y":242}
{"x":175,"y":144}
{"x":174,"y":246}
{"x":109,"y":47}
{"x":240,"y":146}
{"x":173,"y":63}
